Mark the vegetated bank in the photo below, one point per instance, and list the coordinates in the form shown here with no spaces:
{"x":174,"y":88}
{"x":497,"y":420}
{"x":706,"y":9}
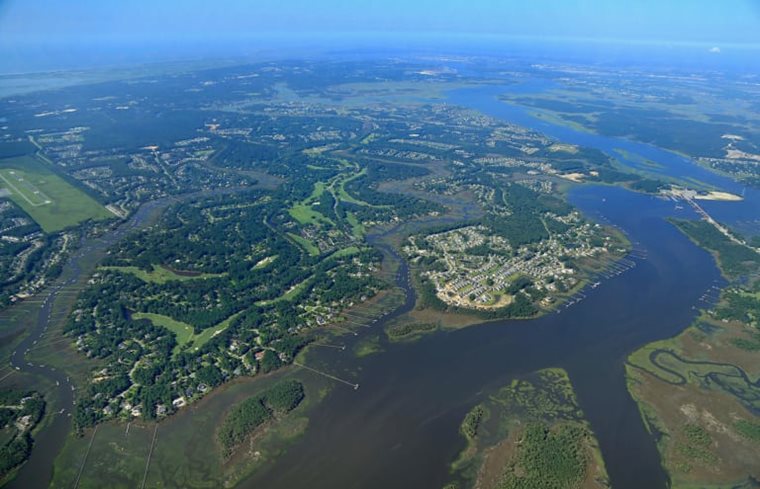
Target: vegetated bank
{"x":529,"y":434}
{"x":698,"y":392}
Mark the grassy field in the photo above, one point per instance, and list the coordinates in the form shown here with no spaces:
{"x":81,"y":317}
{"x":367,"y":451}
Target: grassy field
{"x":304,"y":214}
{"x":305,"y":244}
{"x":357,"y":228}
{"x":184,"y":332}
{"x":160,"y":275}
{"x":345,"y":196}
{"x":51,"y":201}
{"x":265,"y":262}
{"x":290,"y":294}
{"x":351,"y":250}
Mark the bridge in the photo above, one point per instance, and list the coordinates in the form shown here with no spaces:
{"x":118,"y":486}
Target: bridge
{"x":698,"y":208}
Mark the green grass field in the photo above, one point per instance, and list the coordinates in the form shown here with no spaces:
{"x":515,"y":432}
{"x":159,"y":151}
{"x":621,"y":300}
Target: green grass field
{"x":342,"y":194}
{"x":50,"y":200}
{"x":265,"y":262}
{"x":160,"y":275}
{"x":305,"y":214}
{"x":289,"y":294}
{"x":357,"y":228}
{"x":351,"y":250}
{"x":184,"y":331}
{"x":305,"y":244}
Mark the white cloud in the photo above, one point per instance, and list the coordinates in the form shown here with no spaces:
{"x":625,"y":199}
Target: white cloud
{"x":714,"y":50}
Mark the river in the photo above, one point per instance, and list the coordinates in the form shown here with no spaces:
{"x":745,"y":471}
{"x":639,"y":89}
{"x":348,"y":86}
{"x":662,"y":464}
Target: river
{"x":744,"y":216}
{"x":400,"y":429}
{"x":38,"y":470}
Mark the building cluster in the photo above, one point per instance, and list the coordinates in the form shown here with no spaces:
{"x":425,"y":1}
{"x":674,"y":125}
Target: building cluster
{"x":473,"y":268}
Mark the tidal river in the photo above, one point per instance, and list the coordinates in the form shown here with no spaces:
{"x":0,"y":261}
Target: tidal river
{"x":744,"y":216}
{"x":400,"y":429}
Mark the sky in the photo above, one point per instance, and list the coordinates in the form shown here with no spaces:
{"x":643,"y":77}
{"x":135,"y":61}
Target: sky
{"x":65,"y":21}
{"x":61,"y":34}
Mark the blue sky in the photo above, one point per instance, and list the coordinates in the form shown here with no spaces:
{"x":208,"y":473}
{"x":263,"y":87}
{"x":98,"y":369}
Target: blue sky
{"x":63,"y":21}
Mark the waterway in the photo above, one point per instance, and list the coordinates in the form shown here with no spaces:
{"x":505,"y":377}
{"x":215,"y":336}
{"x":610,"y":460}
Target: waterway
{"x":744,"y":216}
{"x":38,"y":470}
{"x":400,"y":428}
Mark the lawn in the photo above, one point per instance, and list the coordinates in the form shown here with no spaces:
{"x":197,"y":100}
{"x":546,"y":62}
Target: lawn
{"x":357,"y":228}
{"x":346,"y":197}
{"x":183,"y":331}
{"x":305,"y":214}
{"x":161,"y":275}
{"x":289,"y":294}
{"x":265,"y":262}
{"x":351,"y":250}
{"x":305,"y":244}
{"x":303,"y":211}
{"x":50,"y":200}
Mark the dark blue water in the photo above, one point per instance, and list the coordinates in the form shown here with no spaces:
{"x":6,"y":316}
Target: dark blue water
{"x":741,"y":215}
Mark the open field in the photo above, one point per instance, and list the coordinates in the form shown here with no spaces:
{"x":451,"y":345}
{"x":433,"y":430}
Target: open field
{"x":264,"y":262}
{"x":183,"y":331}
{"x":342,"y":194}
{"x":351,"y":250}
{"x":50,"y":200}
{"x":303,"y":211}
{"x":305,"y":244}
{"x":161,"y":275}
{"x":289,"y":294}
{"x":304,"y":214}
{"x":357,"y":229}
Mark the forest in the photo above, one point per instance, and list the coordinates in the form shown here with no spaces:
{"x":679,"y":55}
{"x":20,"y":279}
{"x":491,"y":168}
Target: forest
{"x":245,"y":417}
{"x":735,"y":259}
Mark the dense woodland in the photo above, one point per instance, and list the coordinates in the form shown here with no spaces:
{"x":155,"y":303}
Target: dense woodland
{"x":244,"y":418}
{"x":735,"y":260}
